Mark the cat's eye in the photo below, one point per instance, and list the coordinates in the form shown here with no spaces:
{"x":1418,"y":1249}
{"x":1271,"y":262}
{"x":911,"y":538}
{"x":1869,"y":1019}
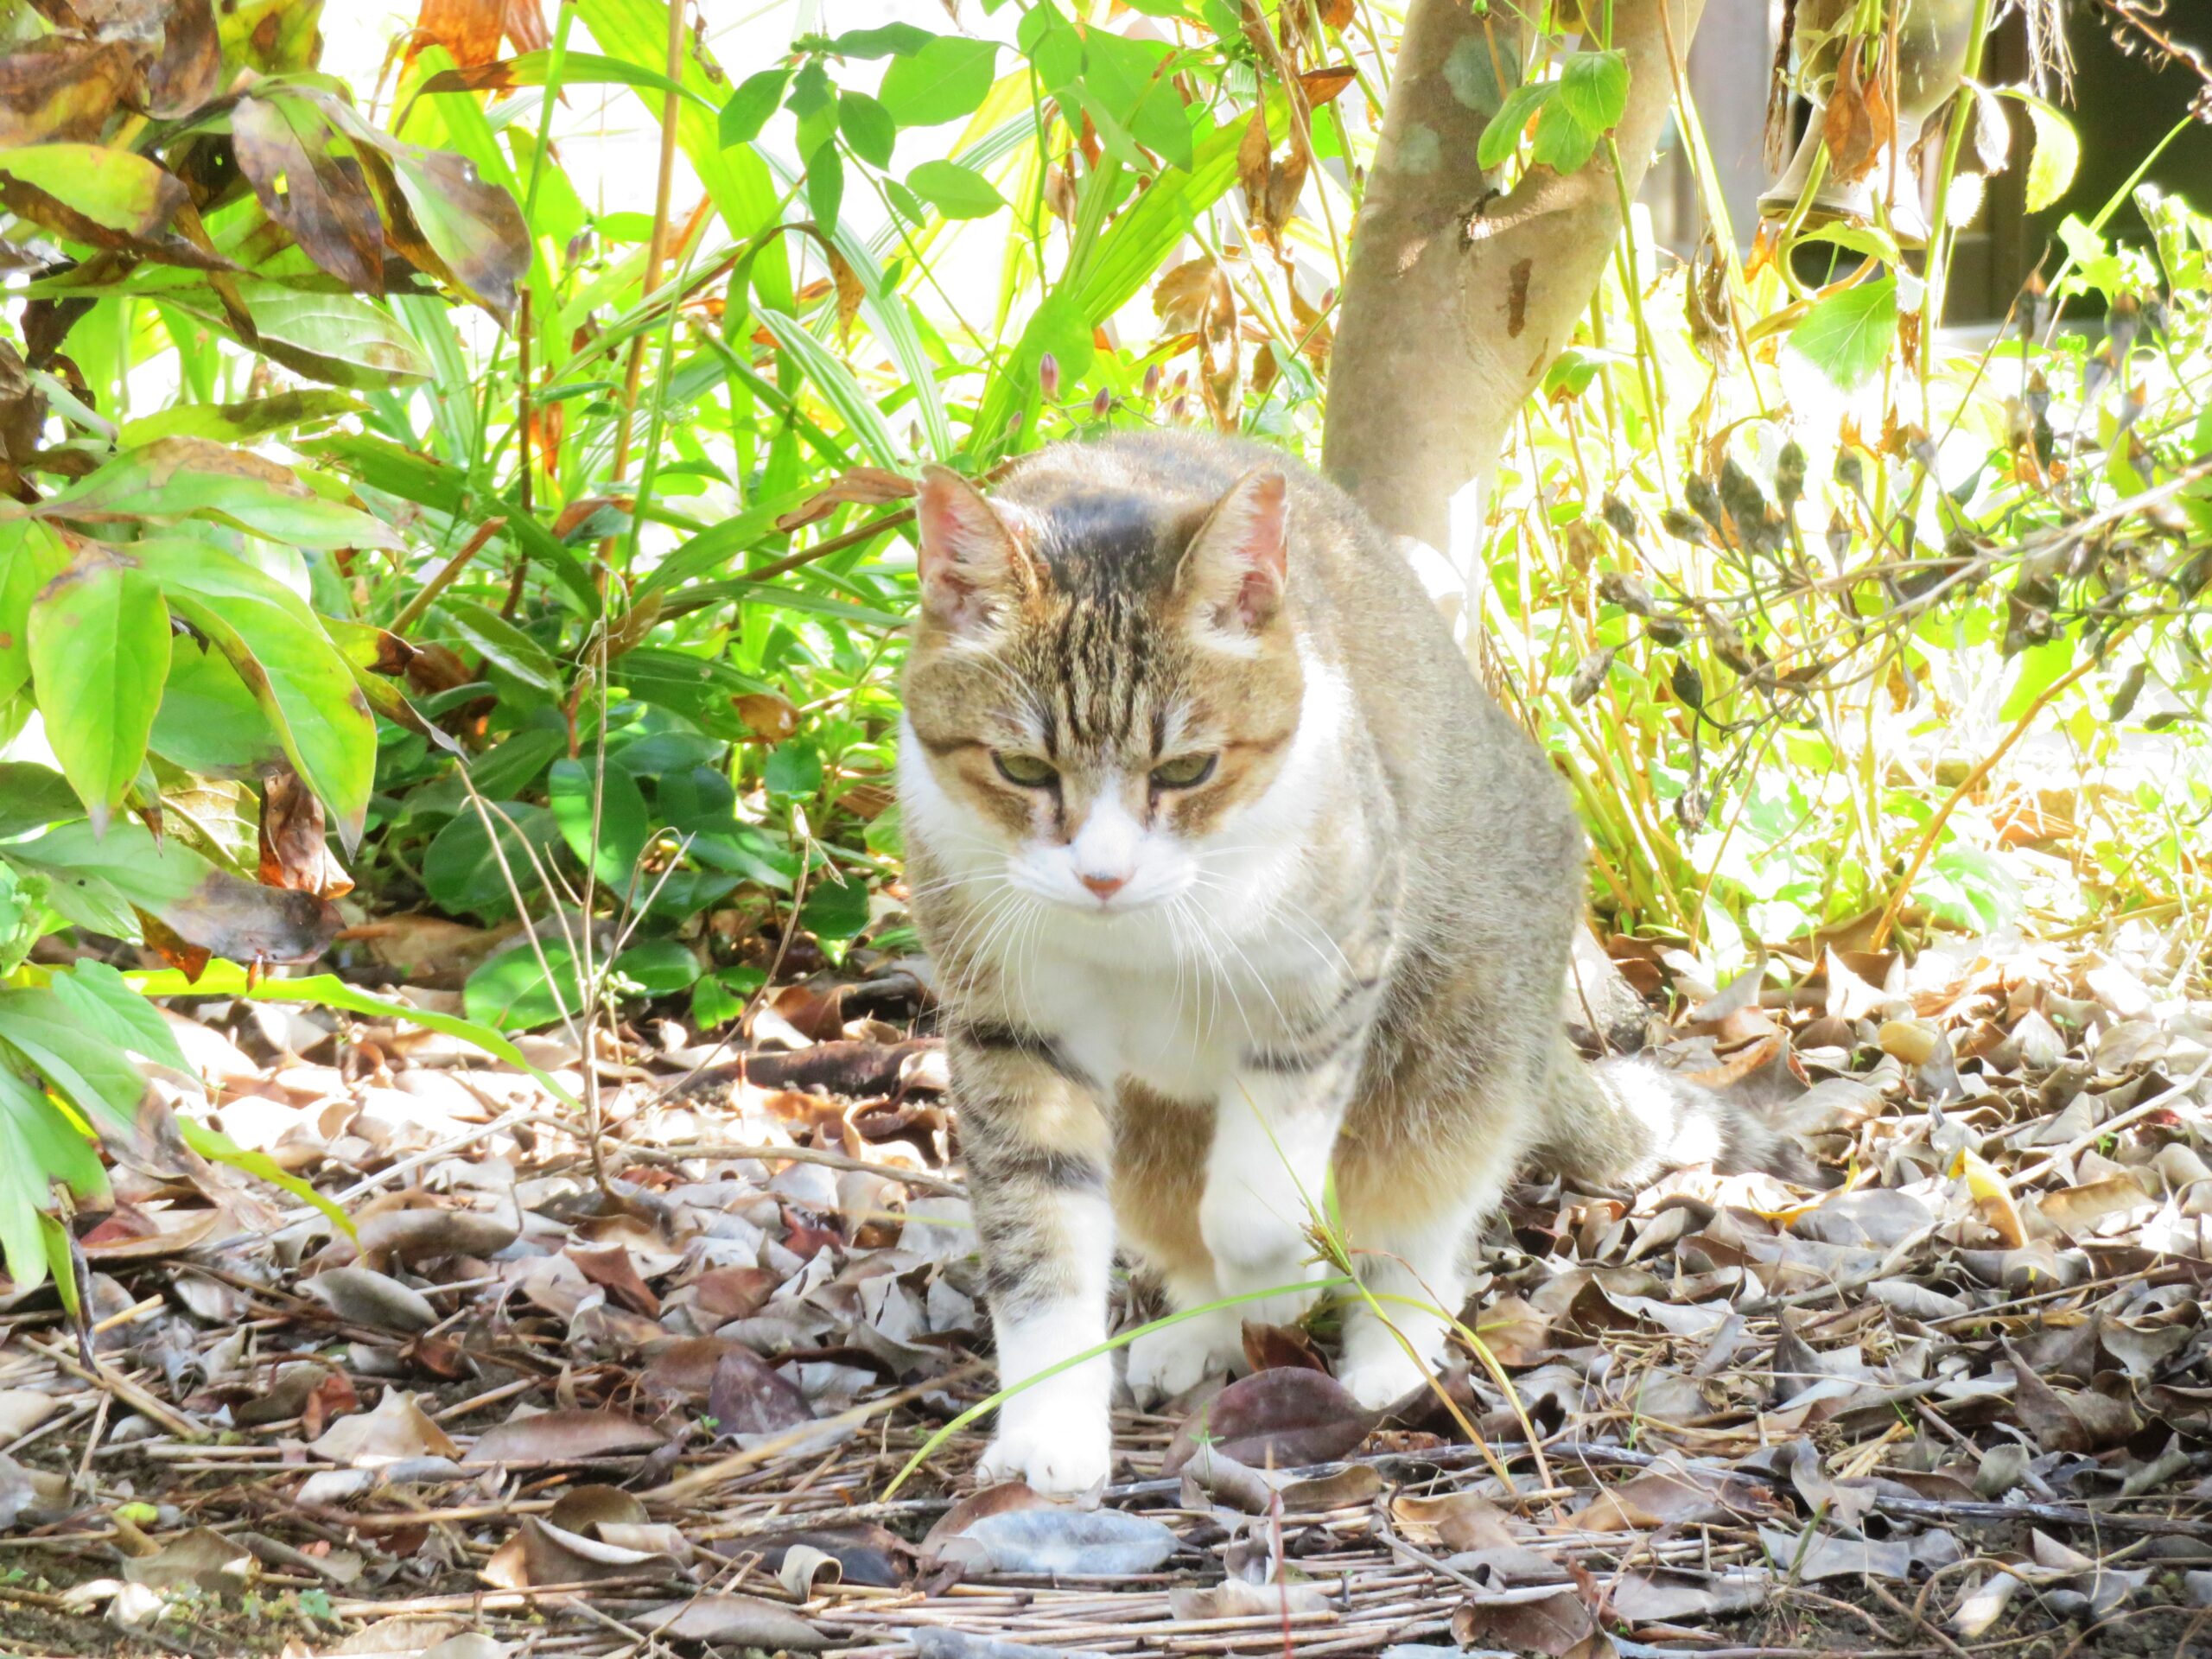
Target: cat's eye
{"x":1029,"y":771}
{"x":1184,"y":772}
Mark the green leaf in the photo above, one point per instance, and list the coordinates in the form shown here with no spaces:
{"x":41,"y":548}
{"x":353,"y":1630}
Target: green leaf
{"x":1593,"y":89}
{"x":101,"y":1000}
{"x":462,"y":871}
{"x":956,"y":192}
{"x":658,"y":967}
{"x":825,"y":186}
{"x":867,"y":127}
{"x":177,"y":477}
{"x":624,"y":825}
{"x":719,"y":998}
{"x":208,"y":720}
{"x":886,"y":41}
{"x":2057,"y":153}
{"x":793,"y":768}
{"x":110,"y":197}
{"x":79,"y":1063}
{"x":40,"y":1145}
{"x":511,"y":991}
{"x":240,"y":422}
{"x":302,"y":682}
{"x":100,"y":644}
{"x":942,"y":81}
{"x":1846,"y":336}
{"x":31,"y":555}
{"x":504,"y":646}
{"x":834,"y":909}
{"x":338,"y":339}
{"x":32,"y":797}
{"x":1503,"y":136}
{"x":750,"y":105}
{"x":510,"y":768}
{"x":1563,"y":143}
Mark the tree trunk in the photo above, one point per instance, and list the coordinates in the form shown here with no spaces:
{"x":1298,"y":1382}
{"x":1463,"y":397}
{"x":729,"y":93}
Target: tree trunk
{"x":1456,"y":304}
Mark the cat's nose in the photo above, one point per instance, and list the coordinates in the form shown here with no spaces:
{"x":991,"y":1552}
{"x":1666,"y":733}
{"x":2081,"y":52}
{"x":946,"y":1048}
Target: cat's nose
{"x":1104,"y":885}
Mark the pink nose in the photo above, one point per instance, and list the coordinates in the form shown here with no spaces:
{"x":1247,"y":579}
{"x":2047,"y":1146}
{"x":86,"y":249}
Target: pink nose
{"x":1105,"y":885}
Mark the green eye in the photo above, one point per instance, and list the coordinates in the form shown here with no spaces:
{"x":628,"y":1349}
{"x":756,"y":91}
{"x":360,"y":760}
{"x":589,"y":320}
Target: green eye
{"x":1026,"y":770}
{"x":1184,"y":772}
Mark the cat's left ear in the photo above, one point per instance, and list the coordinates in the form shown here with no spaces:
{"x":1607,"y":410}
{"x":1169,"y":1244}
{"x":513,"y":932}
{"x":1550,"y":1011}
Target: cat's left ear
{"x":1232,"y":573}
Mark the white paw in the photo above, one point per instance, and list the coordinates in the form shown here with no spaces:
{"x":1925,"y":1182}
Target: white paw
{"x":1380,"y":1380}
{"x":1163,"y":1364}
{"x":1059,"y":1460}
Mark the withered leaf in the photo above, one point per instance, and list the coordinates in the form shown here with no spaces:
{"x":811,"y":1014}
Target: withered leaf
{"x":564,"y":1436}
{"x":749,"y":1396}
{"x":60,"y":88}
{"x":295,"y":853}
{"x":322,"y":199}
{"x":1283,"y":1418}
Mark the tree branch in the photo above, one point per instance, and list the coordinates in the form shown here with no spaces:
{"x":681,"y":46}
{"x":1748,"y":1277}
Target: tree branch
{"x":1456,"y":302}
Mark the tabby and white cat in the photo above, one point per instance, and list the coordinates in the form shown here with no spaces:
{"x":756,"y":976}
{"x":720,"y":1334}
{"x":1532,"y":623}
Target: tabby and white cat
{"x":1235,"y":881}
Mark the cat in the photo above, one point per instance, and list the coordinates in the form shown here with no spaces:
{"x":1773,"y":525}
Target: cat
{"x":1243,"y":897}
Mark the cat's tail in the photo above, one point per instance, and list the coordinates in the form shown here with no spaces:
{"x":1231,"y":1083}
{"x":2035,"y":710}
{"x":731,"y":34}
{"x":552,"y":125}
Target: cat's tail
{"x":1628,"y":1119}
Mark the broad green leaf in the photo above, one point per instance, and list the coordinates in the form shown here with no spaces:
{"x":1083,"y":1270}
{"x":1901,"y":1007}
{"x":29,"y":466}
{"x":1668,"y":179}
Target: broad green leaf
{"x":79,"y":1062}
{"x":956,"y":192}
{"x":1563,"y":143}
{"x":1503,"y":136}
{"x":463,"y":872}
{"x":885,"y":41}
{"x":241,"y":422}
{"x":867,"y":127}
{"x":40,"y":1145}
{"x":834,"y":909}
{"x":209,"y":722}
{"x":752,"y":103}
{"x":511,"y":767}
{"x":942,"y":81}
{"x":624,"y":824}
{"x":2057,"y":153}
{"x":113,"y":197}
{"x":31,"y":556}
{"x":505,"y":646}
{"x":302,"y":682}
{"x":1593,"y":89}
{"x":1846,"y":336}
{"x":793,"y":768}
{"x":825,"y":184}
{"x":657,"y":967}
{"x":33,"y":797}
{"x":338,"y":339}
{"x":511,"y":991}
{"x":175,"y":478}
{"x":102,"y":1001}
{"x":100,"y":644}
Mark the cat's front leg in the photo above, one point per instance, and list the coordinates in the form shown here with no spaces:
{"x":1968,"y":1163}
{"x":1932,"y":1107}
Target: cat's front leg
{"x":1267,"y":1177}
{"x":1037,"y":1150}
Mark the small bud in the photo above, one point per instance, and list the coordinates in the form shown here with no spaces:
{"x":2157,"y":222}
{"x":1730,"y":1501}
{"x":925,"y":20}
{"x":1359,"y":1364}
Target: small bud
{"x":1152,"y":383}
{"x":1789,"y":476}
{"x":1048,"y":377}
{"x":1101,"y":405}
{"x":1703,"y":501}
{"x":1839,"y":539}
{"x":1851,"y":471}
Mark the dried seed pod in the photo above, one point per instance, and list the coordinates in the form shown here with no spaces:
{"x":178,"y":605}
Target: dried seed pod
{"x":1704,"y":500}
{"x":1683,"y":528}
{"x":1618,"y":516}
{"x":1590,"y":675}
{"x":1789,"y":476}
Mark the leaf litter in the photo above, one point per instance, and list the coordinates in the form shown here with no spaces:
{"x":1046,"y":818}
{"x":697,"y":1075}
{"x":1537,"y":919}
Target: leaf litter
{"x":651,"y":1395}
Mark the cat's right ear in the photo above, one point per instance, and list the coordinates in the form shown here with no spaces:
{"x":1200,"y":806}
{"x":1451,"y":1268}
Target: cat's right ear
{"x":971,"y":561}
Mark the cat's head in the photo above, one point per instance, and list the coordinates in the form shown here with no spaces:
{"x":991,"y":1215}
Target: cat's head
{"x":1103,"y":676}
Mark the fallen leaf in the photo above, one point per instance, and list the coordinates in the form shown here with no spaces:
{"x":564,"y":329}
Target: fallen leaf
{"x":564,"y":1436}
{"x":736,"y":1622}
{"x":1048,"y":1542}
{"x":397,"y":1429}
{"x":747,"y":1397}
{"x":1283,"y":1419}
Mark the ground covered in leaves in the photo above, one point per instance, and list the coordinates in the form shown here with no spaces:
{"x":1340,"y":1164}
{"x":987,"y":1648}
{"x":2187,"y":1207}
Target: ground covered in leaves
{"x":647,"y":1392}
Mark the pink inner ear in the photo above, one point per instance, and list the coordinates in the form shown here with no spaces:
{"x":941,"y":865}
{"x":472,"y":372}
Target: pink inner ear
{"x":1254,"y":526}
{"x":963,"y":547}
